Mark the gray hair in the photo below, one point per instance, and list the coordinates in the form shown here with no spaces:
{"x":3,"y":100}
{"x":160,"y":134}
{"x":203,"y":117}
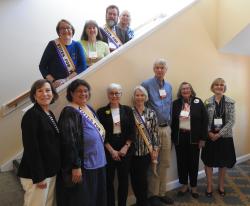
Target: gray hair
{"x":193,"y":93}
{"x":143,"y":90}
{"x":160,"y":61}
{"x":114,"y":86}
{"x":129,"y":16}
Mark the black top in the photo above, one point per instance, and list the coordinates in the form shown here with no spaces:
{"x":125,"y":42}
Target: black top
{"x":41,"y":156}
{"x":198,"y":120}
{"x":127,"y":125}
{"x":219,"y":113}
{"x":71,"y":128}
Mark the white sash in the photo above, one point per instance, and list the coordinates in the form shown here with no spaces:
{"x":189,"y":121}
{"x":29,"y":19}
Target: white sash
{"x":140,"y":124}
{"x":95,"y":122}
{"x":64,"y":56}
{"x":112,"y":36}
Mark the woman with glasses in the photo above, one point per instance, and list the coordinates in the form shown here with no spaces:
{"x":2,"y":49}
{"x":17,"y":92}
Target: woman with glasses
{"x":63,"y":58}
{"x":118,"y":121}
{"x":188,"y":133}
{"x":82,"y":180}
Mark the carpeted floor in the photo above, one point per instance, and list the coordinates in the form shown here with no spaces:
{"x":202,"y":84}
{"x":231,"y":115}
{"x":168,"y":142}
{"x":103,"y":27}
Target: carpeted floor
{"x":11,"y":192}
{"x":237,"y":190}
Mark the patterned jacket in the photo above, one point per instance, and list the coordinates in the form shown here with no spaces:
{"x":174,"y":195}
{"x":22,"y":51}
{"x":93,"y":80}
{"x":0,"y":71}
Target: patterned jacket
{"x":226,"y":131}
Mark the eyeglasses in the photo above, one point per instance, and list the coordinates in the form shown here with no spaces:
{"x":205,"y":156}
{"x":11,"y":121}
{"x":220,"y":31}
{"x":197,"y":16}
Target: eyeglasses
{"x":65,"y":28}
{"x":116,"y":94}
{"x":80,"y":91}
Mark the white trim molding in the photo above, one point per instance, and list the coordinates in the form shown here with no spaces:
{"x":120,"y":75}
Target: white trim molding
{"x":8,"y":166}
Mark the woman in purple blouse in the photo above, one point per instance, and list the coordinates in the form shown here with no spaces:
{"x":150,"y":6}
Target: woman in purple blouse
{"x":83,"y":156}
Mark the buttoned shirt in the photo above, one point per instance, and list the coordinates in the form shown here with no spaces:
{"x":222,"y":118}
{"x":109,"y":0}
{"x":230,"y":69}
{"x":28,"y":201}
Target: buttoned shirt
{"x":162,"y":106}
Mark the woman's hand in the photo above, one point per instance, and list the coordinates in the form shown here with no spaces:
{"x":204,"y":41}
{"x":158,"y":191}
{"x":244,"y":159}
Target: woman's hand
{"x":154,"y":155}
{"x":201,"y":144}
{"x":213,"y":136}
{"x":115,"y":155}
{"x":216,"y":136}
{"x":76,"y":175}
{"x":58,"y":82}
{"x":42,"y":185}
{"x":123,"y":151}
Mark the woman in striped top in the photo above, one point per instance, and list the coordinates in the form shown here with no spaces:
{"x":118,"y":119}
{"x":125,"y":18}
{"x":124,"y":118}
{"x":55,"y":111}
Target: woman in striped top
{"x":146,"y":146}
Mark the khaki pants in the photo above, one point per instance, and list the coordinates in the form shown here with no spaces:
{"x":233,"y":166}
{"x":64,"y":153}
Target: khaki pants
{"x":157,"y":186}
{"x":35,"y":196}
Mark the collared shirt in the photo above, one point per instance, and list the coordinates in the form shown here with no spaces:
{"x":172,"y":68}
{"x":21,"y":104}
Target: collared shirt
{"x":150,"y":119}
{"x":162,"y":106}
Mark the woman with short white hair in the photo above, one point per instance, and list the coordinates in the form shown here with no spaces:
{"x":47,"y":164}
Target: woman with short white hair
{"x":119,"y":123}
{"x":147,"y":145}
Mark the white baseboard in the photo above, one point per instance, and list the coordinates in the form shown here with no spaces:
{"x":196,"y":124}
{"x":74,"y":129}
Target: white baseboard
{"x":175,"y":183}
{"x":243,"y":158}
{"x":7,"y":166}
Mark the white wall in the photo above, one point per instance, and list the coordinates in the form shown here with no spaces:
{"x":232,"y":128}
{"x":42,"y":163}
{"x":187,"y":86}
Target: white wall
{"x":28,"y":25}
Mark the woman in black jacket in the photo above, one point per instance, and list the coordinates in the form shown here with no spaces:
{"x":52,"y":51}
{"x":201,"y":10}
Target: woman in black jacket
{"x":118,"y":121}
{"x":189,"y":132}
{"x":41,"y":156}
{"x":82,"y":180}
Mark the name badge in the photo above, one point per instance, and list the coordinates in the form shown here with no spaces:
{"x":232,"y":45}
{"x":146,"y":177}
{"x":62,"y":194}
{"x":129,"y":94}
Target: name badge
{"x":92,"y":54}
{"x":184,"y":113}
{"x":218,"y":121}
{"x":111,"y":45}
{"x":162,"y":93}
{"x":116,"y":119}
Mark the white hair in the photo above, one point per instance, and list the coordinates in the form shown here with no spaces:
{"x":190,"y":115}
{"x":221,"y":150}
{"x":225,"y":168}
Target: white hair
{"x":143,"y":90}
{"x":114,"y":86}
{"x":161,"y":62}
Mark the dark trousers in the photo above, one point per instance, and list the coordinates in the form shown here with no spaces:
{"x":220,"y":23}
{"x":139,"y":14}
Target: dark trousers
{"x":122,"y":168}
{"x":92,"y":191}
{"x":138,"y":174}
{"x":187,"y":159}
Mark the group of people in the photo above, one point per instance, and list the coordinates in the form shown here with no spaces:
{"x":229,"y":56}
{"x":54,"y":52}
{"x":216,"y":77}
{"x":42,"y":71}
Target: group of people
{"x":64,"y":58}
{"x":74,"y":161}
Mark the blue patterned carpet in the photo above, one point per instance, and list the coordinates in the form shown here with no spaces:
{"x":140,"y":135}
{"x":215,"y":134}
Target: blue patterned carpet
{"x":237,"y":188}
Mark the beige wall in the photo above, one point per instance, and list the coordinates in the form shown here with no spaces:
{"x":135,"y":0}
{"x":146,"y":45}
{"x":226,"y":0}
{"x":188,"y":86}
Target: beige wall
{"x":192,"y":56}
{"x":233,"y":16}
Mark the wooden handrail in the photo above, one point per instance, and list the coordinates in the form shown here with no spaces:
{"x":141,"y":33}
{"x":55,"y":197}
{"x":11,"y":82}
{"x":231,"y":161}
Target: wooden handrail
{"x":20,"y":98}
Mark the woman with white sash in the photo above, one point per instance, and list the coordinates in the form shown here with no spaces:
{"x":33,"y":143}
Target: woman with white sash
{"x":63,"y":58}
{"x":147,"y":145}
{"x":82,"y":180}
